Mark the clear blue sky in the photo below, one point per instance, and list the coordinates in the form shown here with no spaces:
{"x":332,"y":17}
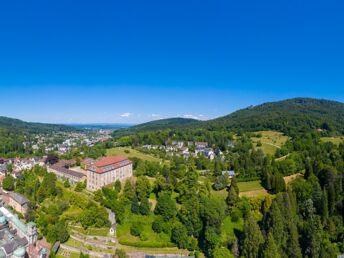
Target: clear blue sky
{"x":134,"y":61}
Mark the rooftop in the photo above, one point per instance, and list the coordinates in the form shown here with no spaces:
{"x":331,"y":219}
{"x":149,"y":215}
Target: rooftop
{"x":109,"y":163}
{"x":110,"y":160}
{"x":18,"y":198}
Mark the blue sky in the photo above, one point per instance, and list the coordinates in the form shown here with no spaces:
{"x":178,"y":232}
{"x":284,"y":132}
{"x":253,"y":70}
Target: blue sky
{"x":134,"y":61}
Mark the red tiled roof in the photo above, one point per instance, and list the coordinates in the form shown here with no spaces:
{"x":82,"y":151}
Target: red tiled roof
{"x":106,"y":161}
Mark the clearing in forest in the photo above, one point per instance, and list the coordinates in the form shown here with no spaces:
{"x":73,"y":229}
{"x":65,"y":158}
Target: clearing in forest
{"x":270,"y":141}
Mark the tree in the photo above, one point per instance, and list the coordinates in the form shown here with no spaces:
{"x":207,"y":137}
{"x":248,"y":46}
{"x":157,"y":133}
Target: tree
{"x":82,"y":255}
{"x":143,"y":187}
{"x":135,"y":206}
{"x":66,"y":183}
{"x":221,"y":253}
{"x":166,"y":207}
{"x":157,"y":224}
{"x":120,"y":253}
{"x":80,"y":186}
{"x":144,"y":206}
{"x":180,"y":236}
{"x":118,"y":186}
{"x":136,"y":229}
{"x":8,"y":183}
{"x":234,"y":185}
{"x":253,"y":238}
{"x":232,"y":197}
{"x":270,"y":248}
{"x":325,"y":206}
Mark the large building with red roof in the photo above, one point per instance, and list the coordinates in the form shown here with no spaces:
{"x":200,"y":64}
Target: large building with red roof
{"x":107,"y":170}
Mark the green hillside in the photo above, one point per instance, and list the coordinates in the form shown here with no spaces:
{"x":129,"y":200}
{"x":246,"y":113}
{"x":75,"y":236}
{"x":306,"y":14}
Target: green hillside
{"x":27,"y":127}
{"x":288,"y":116}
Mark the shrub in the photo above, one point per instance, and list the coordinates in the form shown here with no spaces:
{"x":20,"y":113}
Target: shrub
{"x":235,"y":215}
{"x":136,"y":229}
{"x":157,"y":225}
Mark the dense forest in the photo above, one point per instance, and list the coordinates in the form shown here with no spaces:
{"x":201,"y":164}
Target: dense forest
{"x":301,"y":219}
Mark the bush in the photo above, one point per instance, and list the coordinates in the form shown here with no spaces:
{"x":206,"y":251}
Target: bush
{"x":157,"y":225}
{"x":136,"y":229}
{"x":8,"y":183}
{"x":235,"y":215}
{"x":144,"y":236}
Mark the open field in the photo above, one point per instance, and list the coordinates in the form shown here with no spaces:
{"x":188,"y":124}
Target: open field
{"x":131,"y":153}
{"x":270,"y":140}
{"x":251,"y":189}
{"x":335,"y":140}
{"x":249,"y":186}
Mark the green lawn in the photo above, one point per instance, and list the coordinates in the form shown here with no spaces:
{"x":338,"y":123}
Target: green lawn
{"x":249,"y":186}
{"x":131,"y":154}
{"x":151,"y":239}
{"x":229,"y":227}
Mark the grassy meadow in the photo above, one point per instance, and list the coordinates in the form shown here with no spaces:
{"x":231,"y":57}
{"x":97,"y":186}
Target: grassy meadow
{"x":270,"y":140}
{"x":131,"y":153}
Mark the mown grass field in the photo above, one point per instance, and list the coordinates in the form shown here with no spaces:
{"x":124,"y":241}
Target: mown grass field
{"x":249,"y":186}
{"x":335,"y":140}
{"x":251,"y":189}
{"x":270,"y":140}
{"x":131,"y":153}
{"x":248,"y":189}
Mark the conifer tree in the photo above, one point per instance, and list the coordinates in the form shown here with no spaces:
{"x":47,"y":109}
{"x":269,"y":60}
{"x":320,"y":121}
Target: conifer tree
{"x":270,"y":248}
{"x":253,"y":238}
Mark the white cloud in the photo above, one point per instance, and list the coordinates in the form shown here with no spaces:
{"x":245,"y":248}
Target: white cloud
{"x":190,"y":116}
{"x":155,"y":115}
{"x":127,"y":114}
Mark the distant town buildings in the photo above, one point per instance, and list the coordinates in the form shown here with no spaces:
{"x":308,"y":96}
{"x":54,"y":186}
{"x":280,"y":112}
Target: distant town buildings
{"x":107,"y":170}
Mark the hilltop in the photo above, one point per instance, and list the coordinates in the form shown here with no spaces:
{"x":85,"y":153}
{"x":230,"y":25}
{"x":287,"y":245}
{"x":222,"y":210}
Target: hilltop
{"x":288,"y":116}
{"x":166,"y":123}
{"x":13,"y":124}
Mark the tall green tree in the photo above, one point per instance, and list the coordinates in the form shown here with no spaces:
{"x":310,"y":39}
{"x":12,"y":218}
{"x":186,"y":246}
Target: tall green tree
{"x":253,"y":238}
{"x":270,"y":248}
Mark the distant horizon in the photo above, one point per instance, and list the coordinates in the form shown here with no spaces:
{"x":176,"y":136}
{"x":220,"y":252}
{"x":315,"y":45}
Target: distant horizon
{"x":129,"y":124}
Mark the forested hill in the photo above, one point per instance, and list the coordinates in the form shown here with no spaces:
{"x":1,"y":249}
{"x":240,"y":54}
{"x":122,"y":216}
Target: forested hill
{"x":288,"y":116}
{"x":165,"y":124}
{"x":16,"y":125}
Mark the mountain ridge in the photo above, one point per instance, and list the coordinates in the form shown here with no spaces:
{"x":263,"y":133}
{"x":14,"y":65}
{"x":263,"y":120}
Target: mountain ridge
{"x":288,"y":116}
